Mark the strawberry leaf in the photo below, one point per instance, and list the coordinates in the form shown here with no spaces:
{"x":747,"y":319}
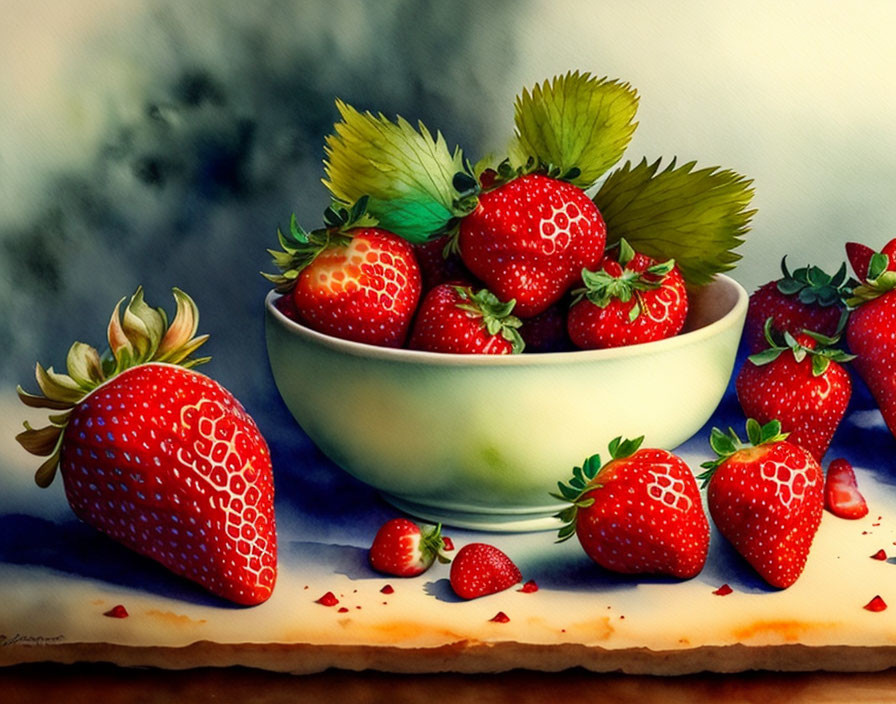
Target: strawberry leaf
{"x":576,"y":125}
{"x":407,"y":174}
{"x":697,"y":217}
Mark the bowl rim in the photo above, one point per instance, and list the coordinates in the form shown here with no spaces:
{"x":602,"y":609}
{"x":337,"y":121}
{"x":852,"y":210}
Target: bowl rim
{"x":401,"y":354}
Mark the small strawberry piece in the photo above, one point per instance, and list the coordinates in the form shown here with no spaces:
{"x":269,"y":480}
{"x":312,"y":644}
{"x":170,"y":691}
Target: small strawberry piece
{"x":117,"y":611}
{"x":529,"y":239}
{"x":879,"y":555}
{"x":802,"y":383}
{"x":454,"y":318}
{"x":447,"y":544}
{"x":724,"y":590}
{"x":641,"y":512}
{"x":869,"y":332}
{"x":159,"y":457}
{"x":343,"y":610}
{"x":841,"y":491}
{"x":387,"y":589}
{"x":402,"y":549}
{"x":876,"y":604}
{"x":766,"y":499}
{"x":480,"y":569}
{"x":808,"y":298}
{"x":629,"y":299}
{"x":500,"y":617}
{"x":328,"y":599}
{"x":529,"y":587}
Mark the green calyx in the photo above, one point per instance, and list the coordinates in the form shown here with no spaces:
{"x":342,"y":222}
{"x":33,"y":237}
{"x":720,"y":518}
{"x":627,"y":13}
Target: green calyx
{"x":696,"y":217}
{"x":821,"y":355}
{"x":880,"y":280}
{"x":299,"y":248}
{"x":416,"y":187}
{"x":584,"y":479}
{"x":725,"y":445}
{"x":432,"y":545}
{"x":496,"y":315}
{"x":813,"y":286}
{"x":138,"y":336}
{"x":601,"y":287}
{"x":573,"y":127}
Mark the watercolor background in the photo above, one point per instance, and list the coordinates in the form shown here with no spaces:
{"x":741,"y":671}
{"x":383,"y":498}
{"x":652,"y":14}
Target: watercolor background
{"x":162,"y":142}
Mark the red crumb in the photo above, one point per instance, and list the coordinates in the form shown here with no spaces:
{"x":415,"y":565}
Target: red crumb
{"x":500,"y":617}
{"x":529,"y":587}
{"x":879,"y":555}
{"x":388,"y":589}
{"x":328,"y":599}
{"x":876,"y":604}
{"x":343,"y":610}
{"x":875,"y":525}
{"x":447,"y":544}
{"x":117,"y":612}
{"x":724,"y":590}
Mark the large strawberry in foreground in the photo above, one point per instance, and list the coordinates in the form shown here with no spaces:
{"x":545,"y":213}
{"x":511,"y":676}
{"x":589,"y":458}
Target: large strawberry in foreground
{"x":766,"y":498}
{"x":640,"y":513}
{"x":158,"y":456}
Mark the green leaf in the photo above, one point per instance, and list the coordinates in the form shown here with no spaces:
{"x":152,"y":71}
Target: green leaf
{"x":820,"y":364}
{"x":766,"y":356}
{"x":408,"y":175}
{"x":754,"y":431}
{"x":576,"y":124}
{"x":696,"y":217}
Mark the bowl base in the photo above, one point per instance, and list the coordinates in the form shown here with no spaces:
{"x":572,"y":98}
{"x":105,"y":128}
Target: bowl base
{"x":496,"y":521}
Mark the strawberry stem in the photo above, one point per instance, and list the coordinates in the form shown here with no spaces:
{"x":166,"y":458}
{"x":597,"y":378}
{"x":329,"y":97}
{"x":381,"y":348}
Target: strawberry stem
{"x":727,"y":444}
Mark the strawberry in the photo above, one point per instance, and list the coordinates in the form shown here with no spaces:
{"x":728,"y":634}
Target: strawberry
{"x":841,"y":491}
{"x":765,"y":498}
{"x":440,"y":262}
{"x":801,"y":383}
{"x":455,"y":318}
{"x":629,"y":299}
{"x":859,"y":256}
{"x":641,"y":512}
{"x":529,"y":238}
{"x":402,"y":549}
{"x":869,"y":332}
{"x":808,"y":298}
{"x":480,"y":569}
{"x":160,"y":457}
{"x":546,"y":332}
{"x":352,"y":281}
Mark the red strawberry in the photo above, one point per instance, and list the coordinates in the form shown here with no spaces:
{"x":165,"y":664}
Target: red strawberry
{"x":529,"y":239}
{"x":859,"y":256}
{"x":546,"y":332}
{"x":870,"y":331}
{"x":353,"y":282}
{"x":641,"y":512}
{"x":453,"y":318}
{"x":629,"y":299}
{"x":841,"y":491}
{"x":801,"y":383}
{"x":400,"y":548}
{"x":159,"y":457}
{"x":806,"y":299}
{"x":480,"y":569}
{"x":440,"y":262}
{"x":766,"y":499}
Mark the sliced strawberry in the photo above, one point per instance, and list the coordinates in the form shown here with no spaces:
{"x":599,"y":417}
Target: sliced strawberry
{"x":480,"y":569}
{"x":841,"y":491}
{"x":402,"y":549}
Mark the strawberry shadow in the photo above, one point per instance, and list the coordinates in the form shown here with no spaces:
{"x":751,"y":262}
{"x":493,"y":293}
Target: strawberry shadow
{"x":724,"y":565}
{"x":347,"y":560}
{"x":74,"y":548}
{"x":440,"y":589}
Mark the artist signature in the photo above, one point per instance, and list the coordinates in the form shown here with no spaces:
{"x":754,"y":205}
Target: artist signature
{"x":19,"y":639}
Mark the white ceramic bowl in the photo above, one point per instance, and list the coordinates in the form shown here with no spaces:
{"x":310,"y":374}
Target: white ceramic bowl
{"x":480,"y":441}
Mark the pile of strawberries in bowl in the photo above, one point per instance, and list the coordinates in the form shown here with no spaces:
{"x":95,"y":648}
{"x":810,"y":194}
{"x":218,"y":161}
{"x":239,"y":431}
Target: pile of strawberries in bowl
{"x":404,"y":334}
{"x":422,"y":249}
